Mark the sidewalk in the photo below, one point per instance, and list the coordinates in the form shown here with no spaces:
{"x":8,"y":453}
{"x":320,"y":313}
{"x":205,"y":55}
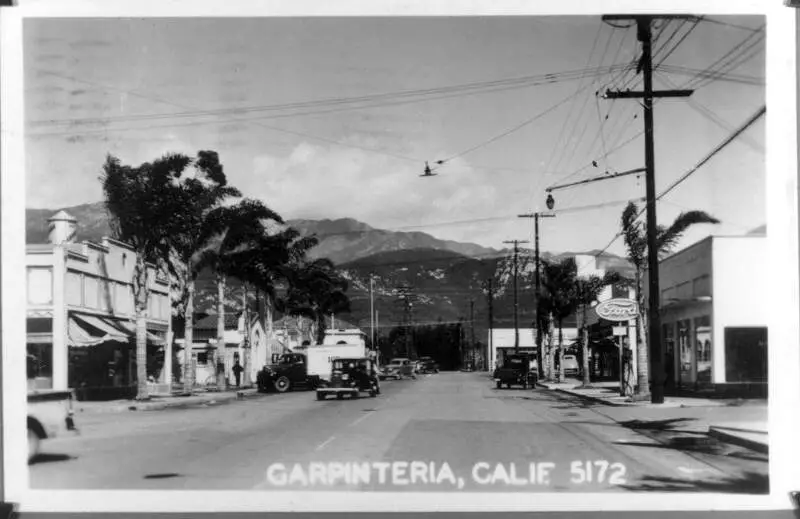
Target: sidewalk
{"x":158,"y":402}
{"x":735,"y":421}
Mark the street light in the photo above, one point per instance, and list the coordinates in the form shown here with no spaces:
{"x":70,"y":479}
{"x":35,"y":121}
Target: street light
{"x":550,"y":201}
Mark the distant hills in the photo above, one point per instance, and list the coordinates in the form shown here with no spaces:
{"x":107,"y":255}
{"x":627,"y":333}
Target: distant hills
{"x":448,"y":280}
{"x":342,"y":240}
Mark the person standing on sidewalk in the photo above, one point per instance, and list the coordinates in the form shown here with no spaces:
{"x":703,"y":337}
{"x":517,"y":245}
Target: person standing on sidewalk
{"x":237,"y":372}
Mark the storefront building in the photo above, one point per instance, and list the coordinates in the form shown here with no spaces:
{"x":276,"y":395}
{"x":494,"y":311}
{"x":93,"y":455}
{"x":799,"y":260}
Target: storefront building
{"x":80,"y":312}
{"x":714,"y":314}
{"x":252,"y":354}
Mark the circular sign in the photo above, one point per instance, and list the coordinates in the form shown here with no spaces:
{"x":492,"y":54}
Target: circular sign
{"x":618,"y":310}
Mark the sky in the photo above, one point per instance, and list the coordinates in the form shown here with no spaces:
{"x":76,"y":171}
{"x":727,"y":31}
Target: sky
{"x":336,"y":117}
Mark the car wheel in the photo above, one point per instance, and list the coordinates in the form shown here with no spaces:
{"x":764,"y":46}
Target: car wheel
{"x":499,"y":385}
{"x":320,"y":396}
{"x":33,"y":444}
{"x":282,"y":384}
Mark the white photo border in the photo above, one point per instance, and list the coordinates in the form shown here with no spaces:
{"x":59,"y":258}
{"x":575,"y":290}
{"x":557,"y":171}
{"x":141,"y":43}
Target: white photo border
{"x":782,"y":239}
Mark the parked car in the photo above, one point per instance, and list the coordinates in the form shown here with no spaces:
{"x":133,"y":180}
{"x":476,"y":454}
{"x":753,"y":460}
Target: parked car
{"x":398,"y":369}
{"x":351,"y":377}
{"x":50,"y":415}
{"x":428,"y":365}
{"x":516,"y":370}
{"x":571,"y":366}
{"x":290,"y":372}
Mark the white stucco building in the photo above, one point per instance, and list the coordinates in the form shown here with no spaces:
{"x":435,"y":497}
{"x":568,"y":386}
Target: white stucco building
{"x":80,"y":312}
{"x":714,"y":313}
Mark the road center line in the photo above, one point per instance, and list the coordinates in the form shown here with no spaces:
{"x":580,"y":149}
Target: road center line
{"x":365,"y":415}
{"x":326,"y":442}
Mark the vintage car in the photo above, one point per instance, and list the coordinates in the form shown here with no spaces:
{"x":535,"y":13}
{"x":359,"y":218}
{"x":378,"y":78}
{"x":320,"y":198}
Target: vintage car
{"x":398,"y":369}
{"x":571,"y":367}
{"x":288,"y":373}
{"x":351,"y":377}
{"x":517,"y":370}
{"x":427,"y":365}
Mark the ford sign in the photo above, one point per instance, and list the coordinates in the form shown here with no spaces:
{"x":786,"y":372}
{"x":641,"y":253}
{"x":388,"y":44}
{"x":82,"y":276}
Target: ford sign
{"x":618,"y":310}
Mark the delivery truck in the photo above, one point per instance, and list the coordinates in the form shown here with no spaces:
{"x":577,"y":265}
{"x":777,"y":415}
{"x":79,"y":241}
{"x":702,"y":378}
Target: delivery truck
{"x":307,"y":370}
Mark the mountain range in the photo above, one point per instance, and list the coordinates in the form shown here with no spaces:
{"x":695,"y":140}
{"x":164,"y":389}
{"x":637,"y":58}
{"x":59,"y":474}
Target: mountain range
{"x":342,"y":240}
{"x":447,"y":281}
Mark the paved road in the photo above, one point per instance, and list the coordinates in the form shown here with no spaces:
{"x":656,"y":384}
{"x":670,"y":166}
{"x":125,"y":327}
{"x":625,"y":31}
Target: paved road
{"x":454,"y":430}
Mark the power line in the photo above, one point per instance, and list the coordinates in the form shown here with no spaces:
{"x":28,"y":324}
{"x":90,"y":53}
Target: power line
{"x":509,"y":131}
{"x":760,"y":113}
{"x":572,"y":106}
{"x":461,"y":89}
{"x":755,"y":117}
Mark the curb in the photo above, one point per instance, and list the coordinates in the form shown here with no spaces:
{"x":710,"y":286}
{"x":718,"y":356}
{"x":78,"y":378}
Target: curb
{"x":738,"y":440}
{"x":587,"y":397}
{"x":178,"y":402}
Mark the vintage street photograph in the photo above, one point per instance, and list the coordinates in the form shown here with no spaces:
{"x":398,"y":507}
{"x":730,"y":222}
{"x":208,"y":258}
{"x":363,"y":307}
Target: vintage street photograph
{"x":397,"y":254}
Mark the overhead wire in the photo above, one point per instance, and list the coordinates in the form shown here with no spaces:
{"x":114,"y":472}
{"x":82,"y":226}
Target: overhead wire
{"x":448,"y":91}
{"x":572,"y":106}
{"x":716,"y":150}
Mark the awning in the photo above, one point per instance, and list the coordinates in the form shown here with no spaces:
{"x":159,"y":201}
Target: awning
{"x":152,"y":338}
{"x":87,"y":330}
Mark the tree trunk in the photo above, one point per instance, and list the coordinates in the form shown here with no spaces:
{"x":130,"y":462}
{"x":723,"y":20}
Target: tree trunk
{"x":219,"y":354}
{"x":560,"y":352}
{"x":550,"y":348}
{"x":642,"y":357}
{"x":142,"y":294}
{"x":188,"y":339}
{"x":586,"y":379}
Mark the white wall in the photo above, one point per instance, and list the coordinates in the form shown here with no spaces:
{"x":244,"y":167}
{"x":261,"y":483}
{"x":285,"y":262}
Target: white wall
{"x":740,"y":297}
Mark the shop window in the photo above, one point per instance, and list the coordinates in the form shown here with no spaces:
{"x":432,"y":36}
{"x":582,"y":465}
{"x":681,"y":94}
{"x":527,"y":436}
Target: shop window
{"x":702,"y":335}
{"x":40,"y":364}
{"x":685,"y":346}
{"x":202,"y":357}
{"x":746,"y":354}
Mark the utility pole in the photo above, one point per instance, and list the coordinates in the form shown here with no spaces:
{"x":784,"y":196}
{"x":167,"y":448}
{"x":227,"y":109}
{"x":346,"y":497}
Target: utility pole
{"x":371,"y":314}
{"x":644,"y":35}
{"x":490,"y":298}
{"x":405,"y":296}
{"x":516,"y":301}
{"x":472,"y":330}
{"x":538,"y":321}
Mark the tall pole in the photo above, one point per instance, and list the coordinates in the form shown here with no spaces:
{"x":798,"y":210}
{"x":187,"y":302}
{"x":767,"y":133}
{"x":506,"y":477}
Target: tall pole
{"x":538,"y":317}
{"x":472,"y":330}
{"x":371,"y":314}
{"x":644,"y":35}
{"x":656,"y":360}
{"x":490,"y":353}
{"x":516,"y":301}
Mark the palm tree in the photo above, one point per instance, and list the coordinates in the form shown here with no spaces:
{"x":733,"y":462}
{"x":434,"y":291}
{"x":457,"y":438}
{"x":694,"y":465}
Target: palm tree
{"x":635,"y":235}
{"x":559,"y":297}
{"x":140,"y":202}
{"x":316,"y":290}
{"x":229,"y":231}
{"x":194,"y":227}
{"x":265,"y":263}
{"x":587,"y":290}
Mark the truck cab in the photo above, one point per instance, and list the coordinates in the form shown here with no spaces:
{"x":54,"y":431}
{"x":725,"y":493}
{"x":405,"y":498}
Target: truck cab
{"x":517,"y":370}
{"x":289,"y":372}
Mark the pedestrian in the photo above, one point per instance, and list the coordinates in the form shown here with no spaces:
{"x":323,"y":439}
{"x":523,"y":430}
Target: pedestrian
{"x":237,"y":372}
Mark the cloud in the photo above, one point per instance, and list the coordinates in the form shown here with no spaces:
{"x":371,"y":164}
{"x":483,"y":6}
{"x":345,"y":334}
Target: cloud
{"x":319,"y":181}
